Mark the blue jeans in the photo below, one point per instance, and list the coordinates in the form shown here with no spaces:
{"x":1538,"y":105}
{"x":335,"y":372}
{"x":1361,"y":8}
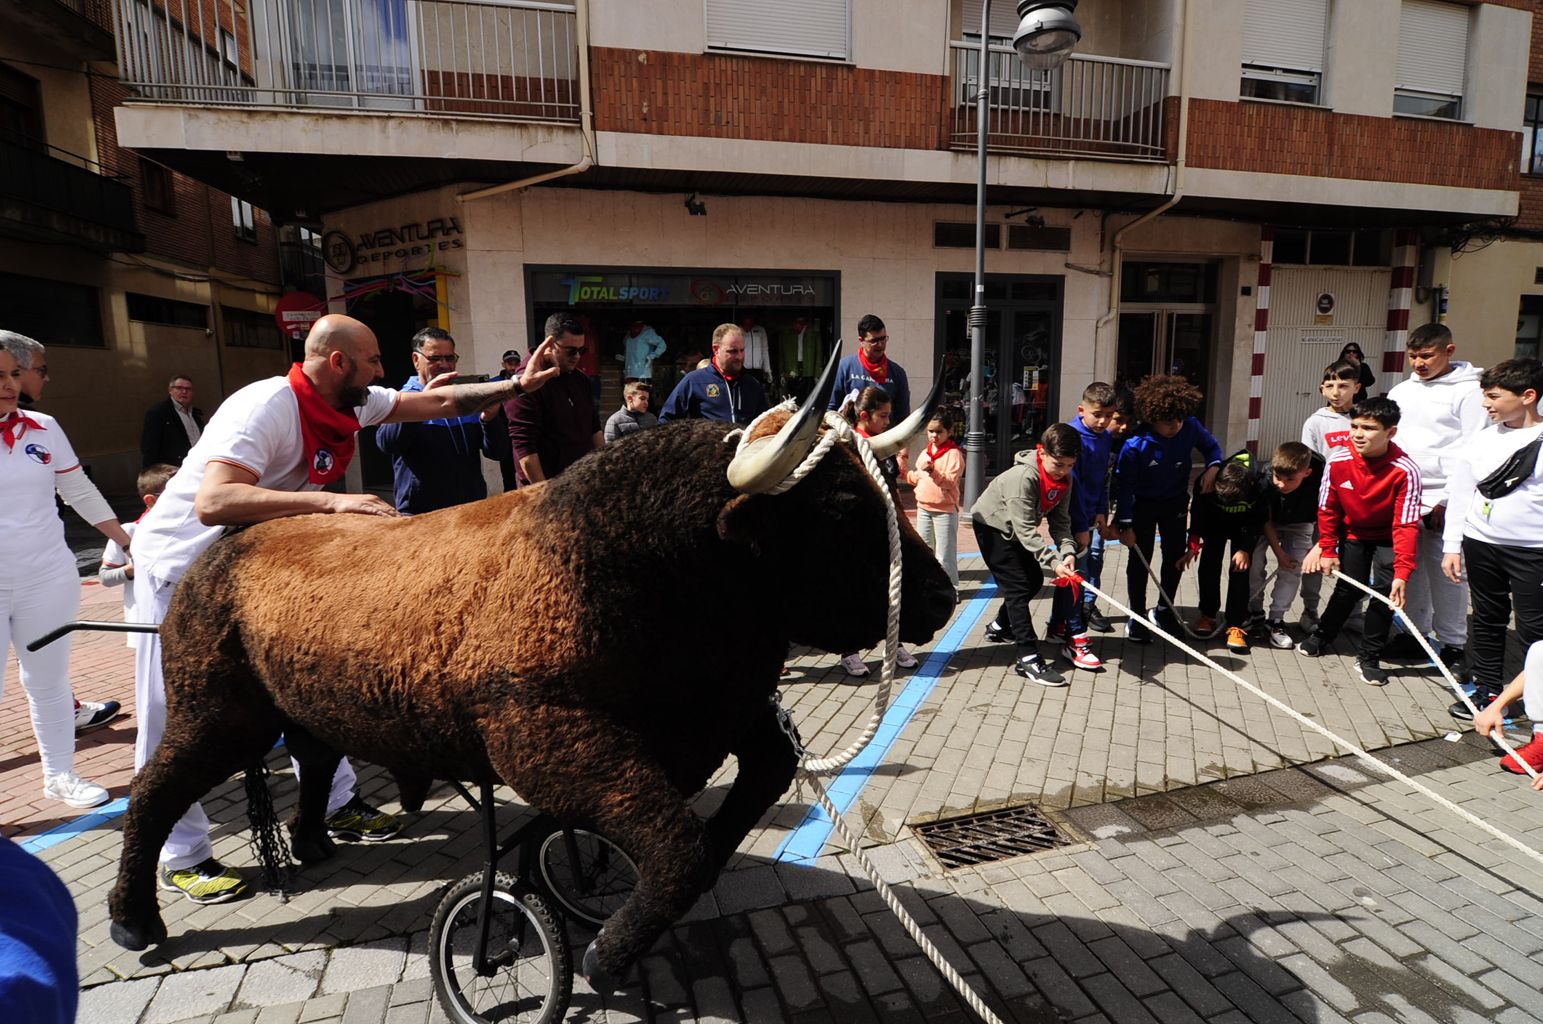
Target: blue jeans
{"x":1062,"y":608}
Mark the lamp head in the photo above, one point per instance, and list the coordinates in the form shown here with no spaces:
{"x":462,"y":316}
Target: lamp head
{"x":1047,"y":33}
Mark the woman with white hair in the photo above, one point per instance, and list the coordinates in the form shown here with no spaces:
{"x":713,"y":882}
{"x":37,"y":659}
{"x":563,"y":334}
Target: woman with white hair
{"x":40,"y":589}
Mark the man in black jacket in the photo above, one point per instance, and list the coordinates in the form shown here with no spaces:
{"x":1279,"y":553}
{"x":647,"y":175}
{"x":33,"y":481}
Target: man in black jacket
{"x":172,"y":426}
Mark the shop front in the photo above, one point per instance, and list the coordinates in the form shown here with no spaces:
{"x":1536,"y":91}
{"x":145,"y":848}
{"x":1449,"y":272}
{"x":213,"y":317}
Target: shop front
{"x":790,"y":320}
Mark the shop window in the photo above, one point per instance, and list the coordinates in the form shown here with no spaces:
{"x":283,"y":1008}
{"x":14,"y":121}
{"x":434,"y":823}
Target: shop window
{"x":1290,"y":246}
{"x":1168,"y":282}
{"x":1373,"y":248}
{"x":802,"y":28}
{"x":53,"y":312}
{"x":1532,"y":135}
{"x":245,"y":328}
{"x":1283,"y":47}
{"x":243,"y":219}
{"x":959,"y":235}
{"x":1529,"y":327}
{"x":156,"y":184}
{"x":1369,"y":247}
{"x":1027,"y":236}
{"x":1329,"y":248}
{"x":1432,"y":59}
{"x":21,"y":109}
{"x":152,"y":309}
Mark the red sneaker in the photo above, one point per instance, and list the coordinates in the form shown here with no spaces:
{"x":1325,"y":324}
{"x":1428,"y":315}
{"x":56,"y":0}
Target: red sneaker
{"x":1079,"y":652}
{"x":1532,"y":753}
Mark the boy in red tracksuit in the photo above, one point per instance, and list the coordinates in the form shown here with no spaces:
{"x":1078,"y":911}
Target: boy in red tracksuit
{"x":1368,"y":516}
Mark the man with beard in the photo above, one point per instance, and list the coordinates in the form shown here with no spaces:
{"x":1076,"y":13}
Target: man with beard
{"x":267,"y":453}
{"x":721,"y":390}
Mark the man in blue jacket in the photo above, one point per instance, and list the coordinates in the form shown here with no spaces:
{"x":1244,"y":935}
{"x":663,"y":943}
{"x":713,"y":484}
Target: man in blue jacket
{"x":722,"y":390}
{"x":869,"y":366}
{"x":436,"y":463}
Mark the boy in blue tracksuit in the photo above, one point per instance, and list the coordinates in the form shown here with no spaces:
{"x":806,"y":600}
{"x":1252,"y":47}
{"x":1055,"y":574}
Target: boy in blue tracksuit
{"x":1089,"y":509}
{"x":1152,"y":486}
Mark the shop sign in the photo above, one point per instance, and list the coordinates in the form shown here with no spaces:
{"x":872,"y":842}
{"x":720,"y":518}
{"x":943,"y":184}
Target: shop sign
{"x":385,"y":245}
{"x":1323,"y":309}
{"x":296,"y":312}
{"x":577,"y":288}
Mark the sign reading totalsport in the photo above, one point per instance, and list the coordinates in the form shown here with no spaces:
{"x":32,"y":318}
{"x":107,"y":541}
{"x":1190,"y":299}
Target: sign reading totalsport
{"x":594,"y":289}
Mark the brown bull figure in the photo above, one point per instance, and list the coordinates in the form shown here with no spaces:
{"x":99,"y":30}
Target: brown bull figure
{"x":601,"y":643}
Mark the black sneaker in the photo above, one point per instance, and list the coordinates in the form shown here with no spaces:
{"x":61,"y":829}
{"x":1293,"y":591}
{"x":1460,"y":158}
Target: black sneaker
{"x":1032,"y":666}
{"x":1312,"y":647}
{"x":92,"y":715}
{"x":1371,"y":673}
{"x":357,"y":820}
{"x":206,"y":883}
{"x":1137,"y":632}
{"x":1483,"y":697}
{"x":998,"y":634}
{"x":1165,"y":619}
{"x":1455,"y":659}
{"x":1403,"y":647}
{"x":1096,"y":620}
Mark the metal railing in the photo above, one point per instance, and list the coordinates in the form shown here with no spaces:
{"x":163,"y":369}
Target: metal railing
{"x":63,"y":182}
{"x":1089,"y":106}
{"x":514,"y":59}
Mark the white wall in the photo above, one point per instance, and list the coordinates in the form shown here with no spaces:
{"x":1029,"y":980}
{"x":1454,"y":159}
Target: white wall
{"x":1363,"y":57}
{"x":1499,"y":39}
{"x":1486,"y":290}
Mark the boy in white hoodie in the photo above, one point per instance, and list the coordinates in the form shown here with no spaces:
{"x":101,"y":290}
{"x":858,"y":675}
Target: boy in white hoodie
{"x":1442,"y":404}
{"x":1494,"y":523}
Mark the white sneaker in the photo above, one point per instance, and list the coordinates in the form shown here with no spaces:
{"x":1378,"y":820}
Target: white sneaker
{"x":73,"y":790}
{"x":853,"y":664}
{"x":904,"y":658}
{"x":92,"y":715}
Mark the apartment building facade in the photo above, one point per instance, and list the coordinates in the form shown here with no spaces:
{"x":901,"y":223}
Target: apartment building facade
{"x":127,"y":270}
{"x":1230,"y":190}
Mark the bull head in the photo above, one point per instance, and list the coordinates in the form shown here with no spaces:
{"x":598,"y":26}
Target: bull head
{"x":766,"y":462}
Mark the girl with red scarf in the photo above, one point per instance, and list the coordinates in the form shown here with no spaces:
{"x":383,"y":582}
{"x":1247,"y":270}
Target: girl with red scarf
{"x":1006,"y":519}
{"x":936,"y":480}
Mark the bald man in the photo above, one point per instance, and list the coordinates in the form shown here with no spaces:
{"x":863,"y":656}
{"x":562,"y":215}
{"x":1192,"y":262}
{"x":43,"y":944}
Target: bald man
{"x":267,"y":453}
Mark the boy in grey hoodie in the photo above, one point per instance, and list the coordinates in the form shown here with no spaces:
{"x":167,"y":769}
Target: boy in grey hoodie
{"x":1441,"y":404}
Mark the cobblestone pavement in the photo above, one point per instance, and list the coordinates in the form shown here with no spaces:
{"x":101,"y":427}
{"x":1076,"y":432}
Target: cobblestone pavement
{"x":1220,"y":867}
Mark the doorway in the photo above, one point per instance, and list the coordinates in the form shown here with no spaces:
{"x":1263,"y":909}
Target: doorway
{"x":1022,"y":358}
{"x":395,"y":316}
{"x":1168,"y":324}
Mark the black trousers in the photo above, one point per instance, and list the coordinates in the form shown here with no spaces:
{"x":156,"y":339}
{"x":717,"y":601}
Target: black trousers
{"x":1212,"y":556}
{"x":1019,"y":577}
{"x":1501,"y":577}
{"x":1167,"y":517}
{"x":1357,"y":559}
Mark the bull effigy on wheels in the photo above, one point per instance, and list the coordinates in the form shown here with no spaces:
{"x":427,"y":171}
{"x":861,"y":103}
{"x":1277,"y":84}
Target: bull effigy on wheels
{"x":559,"y":671}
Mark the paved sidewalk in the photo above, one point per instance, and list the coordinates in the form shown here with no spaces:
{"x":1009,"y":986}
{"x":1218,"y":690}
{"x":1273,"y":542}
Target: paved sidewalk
{"x":1209,"y":878}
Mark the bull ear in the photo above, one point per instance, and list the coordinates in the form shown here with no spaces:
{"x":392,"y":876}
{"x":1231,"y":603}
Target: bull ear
{"x":766,"y":461}
{"x":898,"y":436}
{"x":746,"y":519}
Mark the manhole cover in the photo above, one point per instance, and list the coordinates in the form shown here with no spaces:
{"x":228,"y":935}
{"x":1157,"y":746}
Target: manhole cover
{"x":989,"y":836}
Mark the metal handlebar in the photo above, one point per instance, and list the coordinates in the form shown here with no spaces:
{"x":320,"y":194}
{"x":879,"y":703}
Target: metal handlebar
{"x":92,"y":624}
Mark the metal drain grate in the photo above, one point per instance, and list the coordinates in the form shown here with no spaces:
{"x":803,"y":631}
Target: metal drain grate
{"x":990,"y":836}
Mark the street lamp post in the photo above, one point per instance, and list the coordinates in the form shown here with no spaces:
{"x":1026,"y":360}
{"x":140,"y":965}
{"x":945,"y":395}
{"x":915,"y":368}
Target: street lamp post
{"x":1047,"y":32}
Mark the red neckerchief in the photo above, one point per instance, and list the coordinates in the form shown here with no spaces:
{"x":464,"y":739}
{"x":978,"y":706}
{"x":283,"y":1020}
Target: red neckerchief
{"x":861,"y":432}
{"x":327,"y":434}
{"x":15,"y":425}
{"x":721,"y":373}
{"x":1050,"y":491}
{"x":878,"y":371}
{"x":933,"y":451}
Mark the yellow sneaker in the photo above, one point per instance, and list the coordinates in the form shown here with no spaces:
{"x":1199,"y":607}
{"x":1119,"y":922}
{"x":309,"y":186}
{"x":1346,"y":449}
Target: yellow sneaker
{"x":358,"y":820}
{"x":209,"y":882}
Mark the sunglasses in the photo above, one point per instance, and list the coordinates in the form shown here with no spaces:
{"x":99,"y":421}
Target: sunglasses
{"x":573,"y":350}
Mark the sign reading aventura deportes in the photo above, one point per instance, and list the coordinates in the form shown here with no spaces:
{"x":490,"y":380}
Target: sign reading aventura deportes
{"x":383,"y":245}
{"x":574,"y":288}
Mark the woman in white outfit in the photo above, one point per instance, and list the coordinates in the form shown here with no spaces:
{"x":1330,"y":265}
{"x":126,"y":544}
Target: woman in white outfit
{"x":40,"y":588}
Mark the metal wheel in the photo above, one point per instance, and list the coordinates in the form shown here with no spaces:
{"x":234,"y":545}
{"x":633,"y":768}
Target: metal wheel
{"x":588,"y":875}
{"x":528,"y":977}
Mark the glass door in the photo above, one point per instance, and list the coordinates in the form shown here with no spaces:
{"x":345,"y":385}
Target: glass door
{"x":361,"y":51}
{"x":1165,"y":341}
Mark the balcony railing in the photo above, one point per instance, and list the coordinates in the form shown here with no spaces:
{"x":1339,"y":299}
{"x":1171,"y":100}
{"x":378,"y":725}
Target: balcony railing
{"x":1089,"y":106}
{"x":513,"y":59}
{"x":64,"y":196}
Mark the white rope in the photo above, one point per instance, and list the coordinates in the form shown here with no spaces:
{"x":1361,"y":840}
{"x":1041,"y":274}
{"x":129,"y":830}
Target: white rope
{"x":1221,"y":623}
{"x":1309,"y":723}
{"x":1414,"y":631}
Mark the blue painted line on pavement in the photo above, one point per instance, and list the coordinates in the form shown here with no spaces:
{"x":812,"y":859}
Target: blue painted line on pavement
{"x":74,"y":827}
{"x":806,"y":841}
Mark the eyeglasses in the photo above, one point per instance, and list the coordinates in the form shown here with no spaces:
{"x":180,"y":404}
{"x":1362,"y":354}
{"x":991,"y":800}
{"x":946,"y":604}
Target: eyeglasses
{"x":182,"y":387}
{"x":573,"y":350}
{"x":877,"y":339}
{"x":449,"y":360}
{"x":40,"y":368}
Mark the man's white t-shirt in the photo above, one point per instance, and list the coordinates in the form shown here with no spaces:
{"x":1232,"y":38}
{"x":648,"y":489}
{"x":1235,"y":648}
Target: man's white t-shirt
{"x":258,"y":429}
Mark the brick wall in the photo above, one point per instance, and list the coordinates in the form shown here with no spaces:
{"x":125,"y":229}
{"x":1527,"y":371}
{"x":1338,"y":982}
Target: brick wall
{"x":733,"y":97}
{"x":1281,"y":139}
{"x":198,"y":232}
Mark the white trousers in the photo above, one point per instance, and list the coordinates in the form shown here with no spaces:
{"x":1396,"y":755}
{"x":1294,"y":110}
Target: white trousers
{"x":188,"y":844}
{"x":1435,"y":602}
{"x":27,"y":611}
{"x":941,"y":532}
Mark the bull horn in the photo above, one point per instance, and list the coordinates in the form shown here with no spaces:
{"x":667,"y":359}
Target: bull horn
{"x":766,"y":462}
{"x":896,"y":437}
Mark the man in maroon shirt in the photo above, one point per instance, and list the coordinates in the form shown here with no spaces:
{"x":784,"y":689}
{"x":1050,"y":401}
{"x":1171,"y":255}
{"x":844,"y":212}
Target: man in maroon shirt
{"x":551,"y":429}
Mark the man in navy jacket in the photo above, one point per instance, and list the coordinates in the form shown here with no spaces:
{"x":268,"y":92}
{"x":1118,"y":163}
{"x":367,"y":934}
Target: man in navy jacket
{"x":721,"y":390}
{"x":870,"y":367}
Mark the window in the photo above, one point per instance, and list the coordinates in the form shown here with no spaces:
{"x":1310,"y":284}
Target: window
{"x":1368,"y":247}
{"x":1168,"y":282}
{"x":1529,"y":327}
{"x":1432,"y":59}
{"x":152,"y":309}
{"x":247,"y":329}
{"x":803,"y":28}
{"x":241,"y":217}
{"x":21,"y":109}
{"x":1027,"y":236}
{"x":1532,"y":135}
{"x":1283,"y":44}
{"x":53,"y":312}
{"x":958,"y":235}
{"x":155,"y":181}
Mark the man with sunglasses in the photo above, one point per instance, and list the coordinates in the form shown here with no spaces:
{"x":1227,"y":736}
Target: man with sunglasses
{"x":435,"y":463}
{"x":551,"y":429}
{"x":869,"y":366}
{"x":721,"y":390}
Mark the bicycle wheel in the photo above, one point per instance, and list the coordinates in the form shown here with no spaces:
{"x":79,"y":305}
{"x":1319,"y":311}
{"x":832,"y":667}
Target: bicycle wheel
{"x":589,"y":876}
{"x":530,"y":975}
